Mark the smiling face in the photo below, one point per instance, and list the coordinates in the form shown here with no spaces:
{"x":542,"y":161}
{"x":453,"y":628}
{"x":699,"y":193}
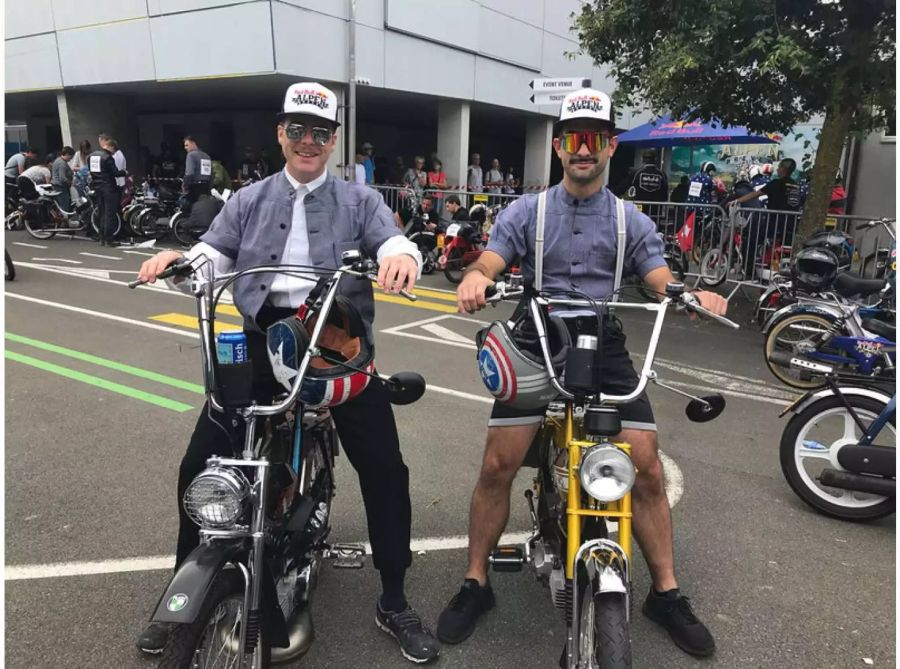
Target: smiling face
{"x":585,"y":166}
{"x":304,"y":158}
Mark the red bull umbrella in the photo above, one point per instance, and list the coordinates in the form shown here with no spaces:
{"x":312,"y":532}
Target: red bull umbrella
{"x":664,"y":132}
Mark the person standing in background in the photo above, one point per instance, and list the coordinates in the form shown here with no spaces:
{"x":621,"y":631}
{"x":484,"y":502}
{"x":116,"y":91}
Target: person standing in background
{"x":359,"y":168}
{"x":493,"y":180}
{"x":437,"y":182}
{"x":119,"y":158}
{"x":474,"y":181}
{"x":61,"y":177}
{"x":369,"y":162}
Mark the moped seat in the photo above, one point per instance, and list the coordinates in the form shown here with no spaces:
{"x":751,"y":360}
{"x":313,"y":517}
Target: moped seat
{"x":847,"y":285}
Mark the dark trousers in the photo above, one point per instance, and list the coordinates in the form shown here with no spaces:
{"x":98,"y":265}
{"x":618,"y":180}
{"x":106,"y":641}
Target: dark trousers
{"x":108,"y":201}
{"x":64,"y":199}
{"x":368,"y":436}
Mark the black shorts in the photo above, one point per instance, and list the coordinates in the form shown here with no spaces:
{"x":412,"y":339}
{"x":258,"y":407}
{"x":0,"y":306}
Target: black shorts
{"x":618,"y":377}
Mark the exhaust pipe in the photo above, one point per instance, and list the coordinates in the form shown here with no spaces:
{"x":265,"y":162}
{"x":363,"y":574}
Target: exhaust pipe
{"x":858,"y":482}
{"x":785,"y":359}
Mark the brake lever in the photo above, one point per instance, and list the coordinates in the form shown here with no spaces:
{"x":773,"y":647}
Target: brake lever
{"x":691,"y":303}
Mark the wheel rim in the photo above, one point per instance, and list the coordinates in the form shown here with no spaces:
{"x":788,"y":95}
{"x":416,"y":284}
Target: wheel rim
{"x":789,"y":336}
{"x":712,"y":269}
{"x":817,"y":447}
{"x":219,"y":645}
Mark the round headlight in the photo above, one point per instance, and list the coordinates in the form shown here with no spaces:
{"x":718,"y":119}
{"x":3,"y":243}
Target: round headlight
{"x":607,"y":473}
{"x":215,"y":499}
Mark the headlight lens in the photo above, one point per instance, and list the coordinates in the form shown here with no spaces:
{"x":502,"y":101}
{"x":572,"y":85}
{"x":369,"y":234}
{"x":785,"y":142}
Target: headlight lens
{"x":607,"y":473}
{"x":215,"y":499}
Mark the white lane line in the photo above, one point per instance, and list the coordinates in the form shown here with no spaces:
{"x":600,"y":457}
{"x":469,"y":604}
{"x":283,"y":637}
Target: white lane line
{"x":782,"y":399}
{"x":140,"y":253}
{"x":99,"y":255}
{"x":446,"y":334}
{"x":31,"y":246}
{"x":100,"y":314}
{"x":71,"y":262}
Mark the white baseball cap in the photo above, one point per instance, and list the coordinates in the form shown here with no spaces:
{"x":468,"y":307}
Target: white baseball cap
{"x":311,"y":99}
{"x":587,"y":103}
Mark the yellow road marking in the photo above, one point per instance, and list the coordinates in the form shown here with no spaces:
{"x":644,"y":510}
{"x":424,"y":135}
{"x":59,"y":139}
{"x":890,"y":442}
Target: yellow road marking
{"x":399,"y":299}
{"x":425,"y":292}
{"x":186,"y":321}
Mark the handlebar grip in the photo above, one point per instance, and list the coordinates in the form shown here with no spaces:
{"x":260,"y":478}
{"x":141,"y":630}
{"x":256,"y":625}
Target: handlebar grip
{"x":693,"y":304}
{"x":409,"y":296}
{"x":181,"y":267}
{"x":491,"y":290}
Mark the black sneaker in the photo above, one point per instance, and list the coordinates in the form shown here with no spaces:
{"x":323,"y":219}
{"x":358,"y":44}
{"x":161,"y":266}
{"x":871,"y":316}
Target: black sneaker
{"x":416,"y":642}
{"x":154,"y":638}
{"x":673,"y":611}
{"x":457,"y":621}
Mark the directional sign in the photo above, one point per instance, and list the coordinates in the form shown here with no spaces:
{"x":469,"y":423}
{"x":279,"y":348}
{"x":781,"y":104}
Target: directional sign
{"x":564,"y":85}
{"x":549,"y":98}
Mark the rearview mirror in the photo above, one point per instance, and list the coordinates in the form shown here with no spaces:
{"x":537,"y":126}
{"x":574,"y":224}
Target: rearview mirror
{"x":705,"y":408}
{"x":405,"y":387}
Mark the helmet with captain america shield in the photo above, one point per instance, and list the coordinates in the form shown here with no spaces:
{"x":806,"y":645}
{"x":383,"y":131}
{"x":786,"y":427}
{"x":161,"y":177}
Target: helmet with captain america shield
{"x":511,"y":364}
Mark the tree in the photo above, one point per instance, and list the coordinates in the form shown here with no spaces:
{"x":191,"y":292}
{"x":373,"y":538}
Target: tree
{"x":765,"y":64}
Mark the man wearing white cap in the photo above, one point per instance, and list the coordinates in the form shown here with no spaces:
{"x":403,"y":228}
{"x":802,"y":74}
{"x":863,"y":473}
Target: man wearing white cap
{"x":304,"y":216}
{"x":580,"y":254}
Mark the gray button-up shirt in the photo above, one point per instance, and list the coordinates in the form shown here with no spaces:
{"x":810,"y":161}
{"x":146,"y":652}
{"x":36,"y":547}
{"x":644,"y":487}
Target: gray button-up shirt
{"x":579,"y":241}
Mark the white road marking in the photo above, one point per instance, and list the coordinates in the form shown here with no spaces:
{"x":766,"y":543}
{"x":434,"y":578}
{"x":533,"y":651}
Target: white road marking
{"x":31,"y":246}
{"x":446,"y":334}
{"x":71,"y":262}
{"x":785,"y":397}
{"x":140,"y":253}
{"x":98,"y":255}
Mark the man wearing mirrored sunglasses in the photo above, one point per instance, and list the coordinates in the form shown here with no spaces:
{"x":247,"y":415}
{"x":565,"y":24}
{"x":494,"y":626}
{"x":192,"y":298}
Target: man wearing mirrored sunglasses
{"x":302,"y":215}
{"x":580,"y":254}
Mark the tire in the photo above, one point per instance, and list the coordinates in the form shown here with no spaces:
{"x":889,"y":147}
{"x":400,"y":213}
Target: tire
{"x":713,"y":268}
{"x":186,"y":641}
{"x":181,"y":233}
{"x":810,"y":422}
{"x":784,"y":334}
{"x":41,"y":229}
{"x":603,"y":629}
{"x":453,"y":270}
{"x":10,"y":270}
{"x":15,"y":221}
{"x":95,"y":223}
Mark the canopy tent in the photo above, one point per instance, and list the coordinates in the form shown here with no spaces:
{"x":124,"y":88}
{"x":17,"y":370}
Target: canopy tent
{"x":665,"y":132}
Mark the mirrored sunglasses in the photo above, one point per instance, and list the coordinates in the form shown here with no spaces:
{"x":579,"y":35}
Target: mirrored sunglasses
{"x":297,"y":131}
{"x":594,"y":140}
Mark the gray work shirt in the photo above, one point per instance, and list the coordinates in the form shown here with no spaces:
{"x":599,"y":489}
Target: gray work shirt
{"x":16,"y":162}
{"x":197,"y":168}
{"x":579,"y":241}
{"x":61,"y":173}
{"x":254,"y":225}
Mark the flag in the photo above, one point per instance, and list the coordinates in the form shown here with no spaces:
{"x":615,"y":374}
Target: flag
{"x":686,"y":234}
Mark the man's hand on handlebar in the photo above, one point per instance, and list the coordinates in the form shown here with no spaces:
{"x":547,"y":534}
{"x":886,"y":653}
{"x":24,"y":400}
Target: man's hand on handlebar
{"x":712,"y":302}
{"x":397,"y":273}
{"x":154,"y":267}
{"x":470,"y":296}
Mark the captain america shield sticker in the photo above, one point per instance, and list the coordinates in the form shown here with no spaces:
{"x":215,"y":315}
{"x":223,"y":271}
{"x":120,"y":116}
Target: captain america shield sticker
{"x":496,"y":371}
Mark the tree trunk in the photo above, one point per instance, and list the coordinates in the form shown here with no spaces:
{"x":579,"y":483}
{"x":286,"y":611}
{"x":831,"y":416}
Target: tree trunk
{"x":845,"y":98}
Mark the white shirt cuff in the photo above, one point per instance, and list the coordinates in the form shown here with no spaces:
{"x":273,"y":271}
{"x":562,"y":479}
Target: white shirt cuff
{"x":400,"y":245}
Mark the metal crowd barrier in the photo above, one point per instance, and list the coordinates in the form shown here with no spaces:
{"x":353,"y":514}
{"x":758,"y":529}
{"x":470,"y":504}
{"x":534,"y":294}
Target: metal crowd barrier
{"x":395,"y":197}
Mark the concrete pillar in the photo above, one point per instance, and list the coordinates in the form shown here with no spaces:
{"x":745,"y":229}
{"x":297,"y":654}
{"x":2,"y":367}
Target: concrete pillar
{"x":538,"y":151}
{"x":453,"y":141}
{"x":337,"y":162}
{"x":85,"y":115}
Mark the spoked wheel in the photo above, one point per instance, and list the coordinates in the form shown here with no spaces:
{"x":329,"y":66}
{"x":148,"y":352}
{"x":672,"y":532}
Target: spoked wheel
{"x":427,"y":260}
{"x":40,"y":228}
{"x":182,"y":232}
{"x":453,"y":270}
{"x":15,"y":220}
{"x":10,"y":271}
{"x":713,"y":268}
{"x":811,"y":442}
{"x":604,"y":640}
{"x":791,"y":335}
{"x":213,"y":640}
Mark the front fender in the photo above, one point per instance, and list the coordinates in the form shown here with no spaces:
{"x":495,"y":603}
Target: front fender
{"x":183,"y":597}
{"x":826,"y":311}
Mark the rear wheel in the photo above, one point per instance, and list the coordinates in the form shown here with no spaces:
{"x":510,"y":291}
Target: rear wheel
{"x":810,"y":444}
{"x":713,"y":268}
{"x":213,"y":639}
{"x":42,"y":228}
{"x":182,"y":232}
{"x":95,"y":223}
{"x":793,"y":334}
{"x":454,"y":268}
{"x":604,"y":640}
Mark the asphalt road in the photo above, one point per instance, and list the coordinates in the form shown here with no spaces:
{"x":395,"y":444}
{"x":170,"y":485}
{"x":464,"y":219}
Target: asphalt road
{"x":91,"y":471}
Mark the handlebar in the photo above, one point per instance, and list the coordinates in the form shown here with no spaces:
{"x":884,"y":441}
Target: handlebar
{"x":181,"y":267}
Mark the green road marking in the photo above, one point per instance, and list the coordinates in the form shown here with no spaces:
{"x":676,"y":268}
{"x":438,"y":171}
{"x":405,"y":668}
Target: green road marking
{"x":109,"y":364}
{"x":134,"y":393}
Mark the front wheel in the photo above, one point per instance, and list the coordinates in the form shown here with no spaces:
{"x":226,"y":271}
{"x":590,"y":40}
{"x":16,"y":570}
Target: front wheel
{"x":810,"y":444}
{"x":95,"y":223}
{"x":213,"y":639}
{"x":41,"y":228}
{"x":713,"y":268}
{"x":454,"y":268}
{"x":181,"y":230}
{"x":604,"y":640}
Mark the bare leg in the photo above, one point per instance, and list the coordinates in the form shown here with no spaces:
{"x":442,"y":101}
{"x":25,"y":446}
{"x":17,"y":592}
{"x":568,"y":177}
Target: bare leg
{"x":652,"y":516}
{"x":503,"y":455}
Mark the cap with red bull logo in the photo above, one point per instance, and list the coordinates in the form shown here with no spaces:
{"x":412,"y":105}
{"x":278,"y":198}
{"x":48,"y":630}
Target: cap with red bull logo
{"x":310,"y":98}
{"x":586,"y":103}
